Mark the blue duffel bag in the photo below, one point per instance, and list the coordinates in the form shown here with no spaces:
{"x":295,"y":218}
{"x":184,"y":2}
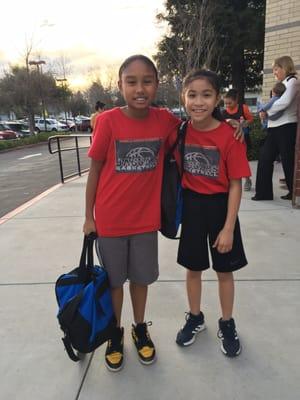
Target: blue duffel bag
{"x":85,"y":306}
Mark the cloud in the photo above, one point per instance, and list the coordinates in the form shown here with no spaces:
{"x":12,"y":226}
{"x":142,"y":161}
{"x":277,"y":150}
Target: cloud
{"x":91,"y":38}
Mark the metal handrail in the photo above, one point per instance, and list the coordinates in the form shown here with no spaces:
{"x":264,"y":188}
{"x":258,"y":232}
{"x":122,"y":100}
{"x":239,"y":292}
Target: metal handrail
{"x":60,"y":150}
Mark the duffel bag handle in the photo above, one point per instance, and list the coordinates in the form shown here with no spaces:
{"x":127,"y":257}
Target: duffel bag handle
{"x":69,"y":349}
{"x":87,"y":253}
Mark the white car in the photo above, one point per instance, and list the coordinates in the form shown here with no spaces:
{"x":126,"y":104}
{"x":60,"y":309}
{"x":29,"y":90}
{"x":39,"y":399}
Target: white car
{"x":70,"y":122}
{"x":49,"y":125}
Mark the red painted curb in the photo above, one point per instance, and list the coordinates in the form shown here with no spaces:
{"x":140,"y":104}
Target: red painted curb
{"x":39,"y":197}
{"x":29,"y":203}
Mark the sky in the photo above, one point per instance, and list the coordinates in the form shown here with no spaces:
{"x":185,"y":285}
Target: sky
{"x":88,"y":40}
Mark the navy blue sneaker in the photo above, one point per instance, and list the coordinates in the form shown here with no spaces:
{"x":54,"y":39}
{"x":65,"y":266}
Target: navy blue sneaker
{"x":193,"y":325}
{"x":230,"y":343}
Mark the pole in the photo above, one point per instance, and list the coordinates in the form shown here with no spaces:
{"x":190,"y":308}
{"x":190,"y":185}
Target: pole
{"x":63,"y":80}
{"x":42,"y":98}
{"x":39,"y":63}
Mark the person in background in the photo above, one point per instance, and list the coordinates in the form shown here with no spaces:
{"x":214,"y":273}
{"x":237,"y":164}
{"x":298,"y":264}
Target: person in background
{"x":281,"y":133}
{"x":276,"y":92}
{"x":99,"y":108}
{"x":240,"y":112}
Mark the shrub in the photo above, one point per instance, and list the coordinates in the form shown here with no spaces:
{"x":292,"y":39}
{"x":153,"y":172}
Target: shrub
{"x":257,"y":136}
{"x":40,"y":137}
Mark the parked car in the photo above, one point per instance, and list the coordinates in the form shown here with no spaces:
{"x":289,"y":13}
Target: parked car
{"x":179,"y":112}
{"x":18,"y":127}
{"x":6,"y":134}
{"x":83,"y":124}
{"x":70,"y":122}
{"x":52,"y":125}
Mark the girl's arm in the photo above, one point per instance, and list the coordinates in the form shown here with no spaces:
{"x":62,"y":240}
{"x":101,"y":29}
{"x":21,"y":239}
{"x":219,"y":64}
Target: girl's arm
{"x":92,"y":120}
{"x":224,"y":240}
{"x":248,"y":116}
{"x":286,"y":99}
{"x":238,"y":129}
{"x":90,"y":196}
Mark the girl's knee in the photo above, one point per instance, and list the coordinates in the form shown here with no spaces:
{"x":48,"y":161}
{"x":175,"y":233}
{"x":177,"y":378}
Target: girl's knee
{"x":194,"y":274}
{"x":225,"y":276}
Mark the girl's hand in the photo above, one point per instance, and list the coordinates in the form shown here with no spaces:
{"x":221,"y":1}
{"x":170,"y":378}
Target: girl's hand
{"x":238,"y":129}
{"x":224,"y":241}
{"x":89,"y":226}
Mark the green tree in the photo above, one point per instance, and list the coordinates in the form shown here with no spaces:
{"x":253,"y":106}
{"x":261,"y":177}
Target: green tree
{"x":79,"y":105}
{"x":19,"y":92}
{"x":226,"y":36}
{"x":167,"y":95}
{"x":98,"y":92}
{"x":61,"y":98}
{"x":24,"y":91}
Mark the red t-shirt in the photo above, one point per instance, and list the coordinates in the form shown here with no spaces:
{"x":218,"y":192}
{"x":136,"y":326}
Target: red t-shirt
{"x":246,"y":111}
{"x":128,"y":193}
{"x":212,"y":158}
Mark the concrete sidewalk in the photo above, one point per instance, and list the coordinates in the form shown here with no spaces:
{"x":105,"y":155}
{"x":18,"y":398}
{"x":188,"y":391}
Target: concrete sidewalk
{"x":45,"y":240}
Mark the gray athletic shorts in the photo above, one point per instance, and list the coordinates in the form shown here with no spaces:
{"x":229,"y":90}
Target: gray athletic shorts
{"x":133,"y":257}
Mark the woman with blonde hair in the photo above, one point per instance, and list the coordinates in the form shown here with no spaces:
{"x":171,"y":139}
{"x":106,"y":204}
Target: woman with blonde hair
{"x":281,"y":134}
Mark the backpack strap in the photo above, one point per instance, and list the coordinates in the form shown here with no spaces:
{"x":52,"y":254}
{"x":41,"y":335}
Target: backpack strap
{"x":180,"y":141}
{"x":181,"y":131}
{"x":291,"y":77}
{"x":241,"y":111}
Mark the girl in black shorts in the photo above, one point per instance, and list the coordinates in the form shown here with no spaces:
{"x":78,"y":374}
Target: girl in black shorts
{"x":214,"y":165}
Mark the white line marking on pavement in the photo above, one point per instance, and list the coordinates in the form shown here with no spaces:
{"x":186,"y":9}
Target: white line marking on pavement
{"x":31,"y":155}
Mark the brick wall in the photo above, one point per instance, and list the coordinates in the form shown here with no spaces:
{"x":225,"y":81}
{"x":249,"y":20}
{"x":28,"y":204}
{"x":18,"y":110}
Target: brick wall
{"x":282,"y":38}
{"x":296,"y":194}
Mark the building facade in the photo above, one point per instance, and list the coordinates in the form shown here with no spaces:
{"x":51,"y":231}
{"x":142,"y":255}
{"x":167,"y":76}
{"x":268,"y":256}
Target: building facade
{"x":282,"y":38}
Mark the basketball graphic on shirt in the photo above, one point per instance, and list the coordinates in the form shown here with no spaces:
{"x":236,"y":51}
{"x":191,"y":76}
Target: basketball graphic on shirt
{"x":197,"y":159}
{"x":137,"y":156}
{"x":202,"y":161}
{"x":140,"y":152}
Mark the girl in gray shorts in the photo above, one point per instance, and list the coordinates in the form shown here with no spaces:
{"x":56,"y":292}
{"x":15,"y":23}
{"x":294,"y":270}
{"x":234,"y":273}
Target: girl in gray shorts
{"x":123,"y":198}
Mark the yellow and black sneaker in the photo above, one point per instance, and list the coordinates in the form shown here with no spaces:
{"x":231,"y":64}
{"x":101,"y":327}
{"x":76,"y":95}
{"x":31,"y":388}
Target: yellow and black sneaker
{"x":114,"y":351}
{"x":143,"y":343}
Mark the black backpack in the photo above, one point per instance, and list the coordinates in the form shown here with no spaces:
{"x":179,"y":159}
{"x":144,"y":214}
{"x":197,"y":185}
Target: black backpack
{"x":85,"y":306}
{"x":171,"y":193}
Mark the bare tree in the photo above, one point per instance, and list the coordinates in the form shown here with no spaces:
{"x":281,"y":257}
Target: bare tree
{"x":200,"y":34}
{"x":191,"y":40}
{"x":61,"y":67}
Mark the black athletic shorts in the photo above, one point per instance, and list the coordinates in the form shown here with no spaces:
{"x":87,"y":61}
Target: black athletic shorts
{"x":203,"y":218}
